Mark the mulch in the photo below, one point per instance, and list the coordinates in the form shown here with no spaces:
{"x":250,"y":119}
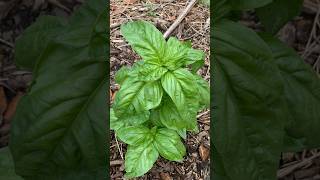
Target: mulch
{"x":195,"y":27}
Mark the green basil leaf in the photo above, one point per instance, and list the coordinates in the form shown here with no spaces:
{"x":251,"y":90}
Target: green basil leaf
{"x":115,"y":123}
{"x":155,"y":118}
{"x":278,"y":13}
{"x":169,"y":144}
{"x":178,"y":85}
{"x":37,"y":37}
{"x":172,"y":118}
{"x":204,"y":91}
{"x":135,"y":118}
{"x":194,"y":55}
{"x":182,"y":133}
{"x":59,"y":128}
{"x":134,"y":135}
{"x":148,"y":72}
{"x":137,"y":96}
{"x":196,"y":59}
{"x":249,"y":109}
{"x":302,"y":94}
{"x":140,"y":159}
{"x":145,"y":39}
{"x":122,"y":75}
{"x":175,"y":54}
{"x":7,"y":165}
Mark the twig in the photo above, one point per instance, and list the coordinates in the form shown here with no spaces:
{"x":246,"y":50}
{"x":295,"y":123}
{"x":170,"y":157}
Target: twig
{"x":116,"y":162}
{"x":312,"y":34}
{"x":6,"y":43}
{"x":115,"y":25}
{"x":309,"y":7}
{"x":120,"y":151}
{"x":288,"y":170}
{"x":179,"y":19}
{"x":202,"y":114}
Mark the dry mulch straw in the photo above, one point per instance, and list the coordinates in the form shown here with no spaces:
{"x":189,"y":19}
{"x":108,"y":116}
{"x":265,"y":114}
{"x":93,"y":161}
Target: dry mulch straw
{"x":195,"y":27}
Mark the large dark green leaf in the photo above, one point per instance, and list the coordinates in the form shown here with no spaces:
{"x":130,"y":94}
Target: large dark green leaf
{"x":221,"y":9}
{"x":7,"y":165}
{"x":302,"y":94}
{"x":249,"y":116}
{"x":278,"y":13}
{"x":58,"y":131}
{"x":35,"y":39}
{"x":247,"y":4}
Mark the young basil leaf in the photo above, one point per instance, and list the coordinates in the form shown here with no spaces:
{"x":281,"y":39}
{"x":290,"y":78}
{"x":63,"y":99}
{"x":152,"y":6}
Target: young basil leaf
{"x":194,"y":55}
{"x":278,"y":13}
{"x":140,"y":159}
{"x":148,"y":72}
{"x":122,"y":75}
{"x":134,"y":135}
{"x":178,"y":85}
{"x":145,"y":39}
{"x":302,"y":94}
{"x":59,"y":129}
{"x":196,"y":59}
{"x":175,"y":54}
{"x":137,"y":96}
{"x":169,"y":144}
{"x":249,"y":116}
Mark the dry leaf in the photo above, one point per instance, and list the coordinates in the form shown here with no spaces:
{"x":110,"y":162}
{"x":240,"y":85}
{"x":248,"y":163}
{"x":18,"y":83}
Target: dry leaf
{"x":204,"y":152}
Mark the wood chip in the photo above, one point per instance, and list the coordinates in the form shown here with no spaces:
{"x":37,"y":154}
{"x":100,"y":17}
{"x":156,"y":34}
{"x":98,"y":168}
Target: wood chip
{"x":204,"y":152}
{"x":165,"y":176}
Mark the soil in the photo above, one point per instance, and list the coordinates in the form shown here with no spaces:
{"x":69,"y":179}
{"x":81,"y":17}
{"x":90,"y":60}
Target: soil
{"x":195,"y":27}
